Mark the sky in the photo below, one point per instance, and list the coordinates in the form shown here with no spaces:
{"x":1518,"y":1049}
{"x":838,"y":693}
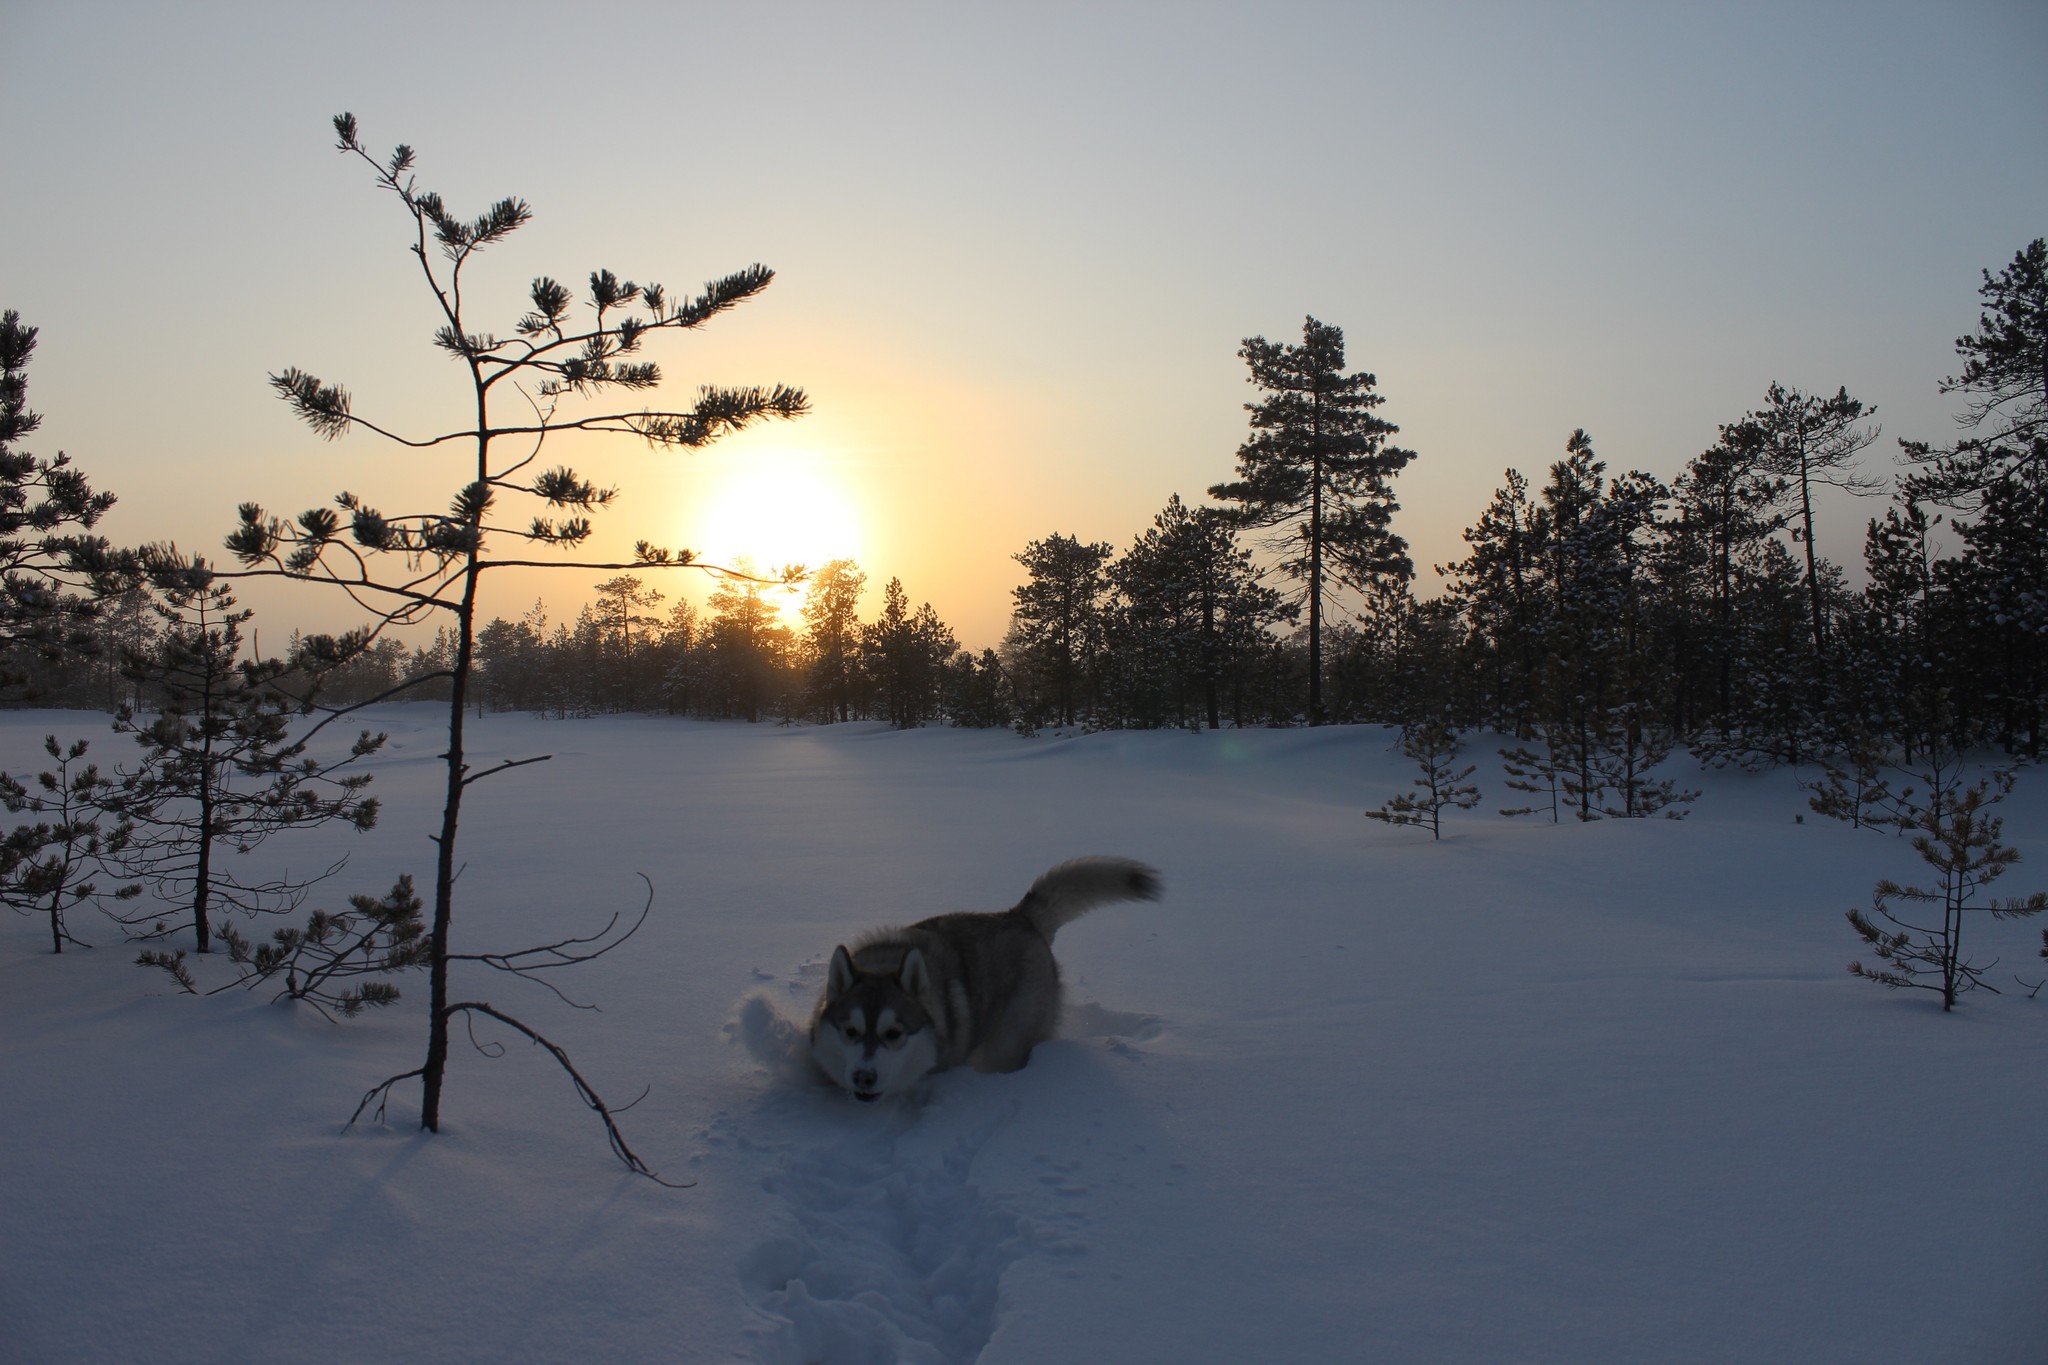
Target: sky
{"x":1017,"y":247}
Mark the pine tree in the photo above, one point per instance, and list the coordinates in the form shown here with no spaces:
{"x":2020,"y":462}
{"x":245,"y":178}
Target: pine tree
{"x":1539,"y":772}
{"x":508,"y":661}
{"x":978,"y":691}
{"x":1434,"y":747}
{"x":681,"y":658}
{"x":2005,"y":379}
{"x":1614,"y":776}
{"x":1058,"y":622}
{"x":51,"y":574}
{"x":1996,"y":594}
{"x":220,"y":772}
{"x":431,"y":566}
{"x":1498,"y":590}
{"x":832,"y":636}
{"x":1189,"y":614}
{"x":1957,"y":836}
{"x":1808,"y":440}
{"x":622,"y":603}
{"x":1888,"y":682}
{"x":47,"y":866}
{"x":1317,"y":477}
{"x":373,"y":937}
{"x":1726,"y":508}
{"x":904,"y":654}
{"x":749,"y":647}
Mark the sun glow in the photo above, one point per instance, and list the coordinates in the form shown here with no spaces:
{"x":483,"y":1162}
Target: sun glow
{"x":776,"y":511}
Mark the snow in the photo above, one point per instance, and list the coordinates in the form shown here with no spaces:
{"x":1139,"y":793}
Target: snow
{"x":1536,"y":1092}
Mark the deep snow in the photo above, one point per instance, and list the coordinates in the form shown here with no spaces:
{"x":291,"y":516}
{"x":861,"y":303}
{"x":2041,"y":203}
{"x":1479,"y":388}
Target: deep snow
{"x":1536,"y":1092}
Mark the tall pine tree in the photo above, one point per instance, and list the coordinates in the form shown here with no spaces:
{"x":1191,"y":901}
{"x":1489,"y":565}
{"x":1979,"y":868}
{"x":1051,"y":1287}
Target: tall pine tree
{"x":1317,"y":477}
{"x":2005,"y":379}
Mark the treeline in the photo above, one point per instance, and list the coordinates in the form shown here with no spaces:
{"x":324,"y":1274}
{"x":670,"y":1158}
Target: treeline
{"x":1592,"y":609}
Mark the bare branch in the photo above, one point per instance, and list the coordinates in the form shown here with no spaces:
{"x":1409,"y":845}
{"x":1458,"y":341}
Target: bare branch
{"x":584,"y":1090}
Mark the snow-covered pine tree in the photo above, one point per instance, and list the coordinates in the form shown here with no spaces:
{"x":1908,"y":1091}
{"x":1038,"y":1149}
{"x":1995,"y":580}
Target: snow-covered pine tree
{"x":1434,"y":746}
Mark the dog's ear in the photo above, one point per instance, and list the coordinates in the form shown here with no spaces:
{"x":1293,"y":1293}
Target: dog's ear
{"x":839,"y":977}
{"x":915,"y":977}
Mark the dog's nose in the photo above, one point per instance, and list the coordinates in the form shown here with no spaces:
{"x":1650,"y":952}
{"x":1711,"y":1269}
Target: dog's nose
{"x":864,"y":1080}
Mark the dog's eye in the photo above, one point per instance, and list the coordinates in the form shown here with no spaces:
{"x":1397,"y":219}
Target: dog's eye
{"x":892,"y":1036}
{"x":852,"y":1034}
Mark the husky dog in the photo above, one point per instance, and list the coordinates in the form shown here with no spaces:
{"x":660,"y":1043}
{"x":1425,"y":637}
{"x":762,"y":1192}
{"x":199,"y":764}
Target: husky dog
{"x":981,"y":989}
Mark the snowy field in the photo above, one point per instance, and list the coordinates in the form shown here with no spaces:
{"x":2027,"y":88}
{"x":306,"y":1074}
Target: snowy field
{"x":1573,"y":1093}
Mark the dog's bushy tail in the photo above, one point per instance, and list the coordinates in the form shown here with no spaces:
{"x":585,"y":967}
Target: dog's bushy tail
{"x":1072,"y":889}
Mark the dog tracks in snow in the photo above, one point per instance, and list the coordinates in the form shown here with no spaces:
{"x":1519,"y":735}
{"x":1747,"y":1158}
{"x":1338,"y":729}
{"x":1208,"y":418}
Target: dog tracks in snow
{"x":890,"y":1254}
{"x":895,"y":1256}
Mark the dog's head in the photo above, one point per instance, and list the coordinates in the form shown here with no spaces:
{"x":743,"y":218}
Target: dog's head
{"x":872,"y":1033}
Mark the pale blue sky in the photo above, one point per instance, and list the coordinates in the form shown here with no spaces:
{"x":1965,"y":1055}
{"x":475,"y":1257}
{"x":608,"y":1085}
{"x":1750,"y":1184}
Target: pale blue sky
{"x":1018,"y":245}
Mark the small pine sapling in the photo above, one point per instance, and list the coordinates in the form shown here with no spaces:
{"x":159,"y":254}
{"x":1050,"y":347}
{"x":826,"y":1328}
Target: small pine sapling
{"x":220,"y":771}
{"x":47,"y":866}
{"x":1434,"y":747}
{"x":1958,"y":837}
{"x":1535,"y":773}
{"x":1853,"y":786}
{"x":372,"y":937}
{"x":557,"y":371}
{"x":1620,"y":767}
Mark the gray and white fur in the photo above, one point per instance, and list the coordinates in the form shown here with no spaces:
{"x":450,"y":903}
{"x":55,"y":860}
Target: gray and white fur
{"x":980,"y":989}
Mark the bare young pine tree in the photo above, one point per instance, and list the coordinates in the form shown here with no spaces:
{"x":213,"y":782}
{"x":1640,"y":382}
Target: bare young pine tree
{"x":413,"y":567}
{"x":220,"y":771}
{"x":375,"y":936}
{"x":1540,"y":773}
{"x":48,"y":865}
{"x":1954,"y":833}
{"x":1434,"y":747}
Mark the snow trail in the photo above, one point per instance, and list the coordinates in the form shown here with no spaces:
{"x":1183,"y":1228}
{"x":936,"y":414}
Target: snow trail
{"x":895,"y":1255}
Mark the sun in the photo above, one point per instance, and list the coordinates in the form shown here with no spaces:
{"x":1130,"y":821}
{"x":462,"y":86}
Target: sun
{"x":778,"y":510}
